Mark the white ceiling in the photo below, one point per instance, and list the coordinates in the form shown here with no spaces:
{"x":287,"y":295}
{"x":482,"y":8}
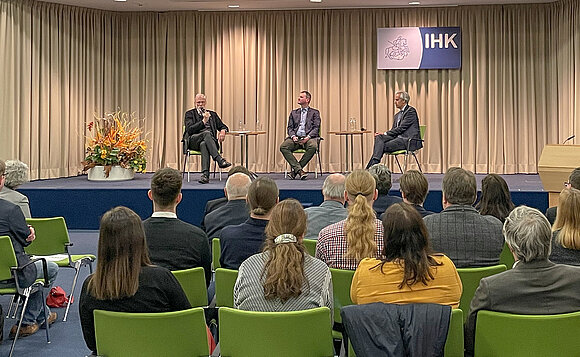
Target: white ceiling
{"x":222,"y":5}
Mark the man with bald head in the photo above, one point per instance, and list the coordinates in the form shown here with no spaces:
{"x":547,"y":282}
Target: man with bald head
{"x":331,"y":210}
{"x":236,"y":211}
{"x":201,"y":127}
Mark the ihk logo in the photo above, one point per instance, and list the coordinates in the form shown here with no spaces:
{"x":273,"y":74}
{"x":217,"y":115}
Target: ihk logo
{"x":432,"y":40}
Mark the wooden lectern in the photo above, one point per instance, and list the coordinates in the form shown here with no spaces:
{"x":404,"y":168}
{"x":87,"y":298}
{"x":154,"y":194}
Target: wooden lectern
{"x":555,"y":165}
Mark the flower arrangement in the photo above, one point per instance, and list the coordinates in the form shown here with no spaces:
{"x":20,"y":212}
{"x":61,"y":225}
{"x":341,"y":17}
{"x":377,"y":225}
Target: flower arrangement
{"x":116,"y":140}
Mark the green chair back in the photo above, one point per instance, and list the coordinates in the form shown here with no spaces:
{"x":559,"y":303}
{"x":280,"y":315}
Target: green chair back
{"x":193,"y":283}
{"x":341,"y":281}
{"x":454,"y":343}
{"x":470,"y":278}
{"x":7,"y":259}
{"x":178,"y":333}
{"x":225,"y":279}
{"x":310,"y":245}
{"x":422,"y":129}
{"x":304,"y":333}
{"x":506,"y":257}
{"x":216,"y":253}
{"x":502,"y":334}
{"x":51,"y":236}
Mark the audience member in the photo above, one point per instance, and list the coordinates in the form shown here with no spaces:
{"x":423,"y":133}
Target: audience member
{"x":566,"y":236}
{"x":125,"y":280}
{"x":409,"y":271}
{"x":241,"y":241}
{"x":535,"y":285}
{"x":173,"y":243}
{"x":574,"y":182}
{"x":382,"y":176}
{"x":13,"y":225}
{"x":284,"y":277}
{"x":414,"y":189}
{"x":235,"y":211}
{"x":495,"y":197}
{"x":344,"y":244}
{"x":459,"y":231}
{"x":331,"y":210}
{"x":16,"y":174}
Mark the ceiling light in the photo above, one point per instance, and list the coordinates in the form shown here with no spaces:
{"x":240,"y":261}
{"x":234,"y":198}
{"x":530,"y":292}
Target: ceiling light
{"x":233,"y":6}
{"x":120,"y":0}
{"x":315,"y":0}
{"x":414,"y":3}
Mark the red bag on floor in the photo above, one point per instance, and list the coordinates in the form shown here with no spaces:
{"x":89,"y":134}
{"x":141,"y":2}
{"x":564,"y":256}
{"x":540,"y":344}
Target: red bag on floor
{"x":57,"y":297}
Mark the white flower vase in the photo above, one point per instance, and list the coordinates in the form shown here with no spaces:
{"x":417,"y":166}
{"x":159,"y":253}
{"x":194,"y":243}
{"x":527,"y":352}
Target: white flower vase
{"x":117,"y":173}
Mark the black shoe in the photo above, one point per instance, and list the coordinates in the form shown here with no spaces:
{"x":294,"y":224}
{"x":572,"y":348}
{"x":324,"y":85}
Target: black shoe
{"x":303,"y":175}
{"x":292,"y":175}
{"x":203,"y":179}
{"x":223,"y":163}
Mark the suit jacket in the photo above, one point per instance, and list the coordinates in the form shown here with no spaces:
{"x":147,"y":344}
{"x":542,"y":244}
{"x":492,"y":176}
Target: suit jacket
{"x":312,"y":126}
{"x":194,"y":125}
{"x":407,"y":127}
{"x":212,"y":205}
{"x":422,"y":211}
{"x":241,"y":241}
{"x":318,"y":217}
{"x":551,"y":214}
{"x":233,"y":212}
{"x":466,"y":237}
{"x":383,"y":202}
{"x":537,"y":287}
{"x":13,"y":225}
{"x":17,"y":198}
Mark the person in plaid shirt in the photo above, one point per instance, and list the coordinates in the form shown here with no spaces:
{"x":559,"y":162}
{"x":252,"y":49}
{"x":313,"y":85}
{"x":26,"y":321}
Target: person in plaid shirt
{"x":344,"y":244}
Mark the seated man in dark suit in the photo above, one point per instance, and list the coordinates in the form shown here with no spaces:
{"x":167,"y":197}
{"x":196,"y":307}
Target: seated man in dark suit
{"x":459,"y":231}
{"x":173,"y":244}
{"x":201,"y":127}
{"x":574,"y":182}
{"x":414,"y":189}
{"x":235,"y":211}
{"x":241,"y":241}
{"x":535,"y":285}
{"x":382,"y":176}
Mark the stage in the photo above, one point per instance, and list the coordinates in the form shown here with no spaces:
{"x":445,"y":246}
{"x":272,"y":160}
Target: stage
{"x":82,"y":202}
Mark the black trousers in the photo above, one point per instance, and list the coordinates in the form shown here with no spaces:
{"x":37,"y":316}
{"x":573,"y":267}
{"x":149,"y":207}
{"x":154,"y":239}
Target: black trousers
{"x":289,"y":145}
{"x":383,"y":144}
{"x":205,"y":143}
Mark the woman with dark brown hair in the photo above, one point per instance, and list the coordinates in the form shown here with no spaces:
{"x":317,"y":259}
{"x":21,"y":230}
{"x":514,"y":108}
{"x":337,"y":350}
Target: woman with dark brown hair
{"x":284,"y":277}
{"x":125,"y":280}
{"x":409,"y":271}
{"x":495,"y":197}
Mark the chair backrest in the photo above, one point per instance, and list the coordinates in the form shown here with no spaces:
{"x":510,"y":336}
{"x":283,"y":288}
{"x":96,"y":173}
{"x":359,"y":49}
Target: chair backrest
{"x":310,"y":245}
{"x":51,"y":236}
{"x":422,"y":129}
{"x":506,"y":257}
{"x":193,"y":283}
{"x":216,"y":253}
{"x":177,"y":333}
{"x":502,"y":334}
{"x":306,"y":333}
{"x":470,"y":278}
{"x":454,"y":343}
{"x":7,"y":258}
{"x":225,"y":279}
{"x":341,"y":281}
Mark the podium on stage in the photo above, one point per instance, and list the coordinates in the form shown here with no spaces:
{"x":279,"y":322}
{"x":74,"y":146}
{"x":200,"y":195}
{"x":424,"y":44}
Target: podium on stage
{"x":554,"y":167}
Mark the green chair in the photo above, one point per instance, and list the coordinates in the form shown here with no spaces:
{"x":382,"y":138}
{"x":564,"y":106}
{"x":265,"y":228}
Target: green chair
{"x":188,"y":153}
{"x":317,"y":167}
{"x":193,"y":283}
{"x":52,"y":242}
{"x":305,"y":333}
{"x":216,"y":253}
{"x":454,"y":343}
{"x":506,"y":257}
{"x":500,"y":334}
{"x":341,"y":281}
{"x":225,"y":279}
{"x":8,"y":269}
{"x":407,"y":152}
{"x":470,"y":278}
{"x":310,"y":245}
{"x":177,"y":333}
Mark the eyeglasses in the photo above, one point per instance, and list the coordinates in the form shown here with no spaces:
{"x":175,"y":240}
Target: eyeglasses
{"x":566,"y":183}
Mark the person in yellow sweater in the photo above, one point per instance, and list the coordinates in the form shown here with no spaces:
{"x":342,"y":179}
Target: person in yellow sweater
{"x":408,"y":272}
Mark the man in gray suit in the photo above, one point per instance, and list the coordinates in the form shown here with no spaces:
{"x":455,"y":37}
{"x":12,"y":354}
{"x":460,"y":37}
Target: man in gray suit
{"x":459,"y":231}
{"x":331,"y":210}
{"x":535,"y":285}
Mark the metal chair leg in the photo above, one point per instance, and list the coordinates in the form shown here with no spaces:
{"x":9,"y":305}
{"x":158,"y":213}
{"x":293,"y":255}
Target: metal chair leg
{"x":417,"y":161}
{"x":27,"y":291}
{"x":398,"y":164}
{"x":77,"y":268}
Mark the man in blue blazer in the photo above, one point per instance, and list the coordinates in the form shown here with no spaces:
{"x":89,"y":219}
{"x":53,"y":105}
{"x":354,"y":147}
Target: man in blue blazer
{"x":405,"y":127}
{"x":303,"y":128}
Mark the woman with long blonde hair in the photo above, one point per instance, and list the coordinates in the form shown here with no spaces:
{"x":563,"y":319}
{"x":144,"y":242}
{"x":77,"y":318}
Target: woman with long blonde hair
{"x":566,"y":237}
{"x":284,"y":277}
{"x":344,"y":244}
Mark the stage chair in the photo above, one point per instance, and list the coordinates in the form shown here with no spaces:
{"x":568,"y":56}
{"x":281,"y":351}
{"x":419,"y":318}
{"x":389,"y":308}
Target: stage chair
{"x":177,"y":333}
{"x":506,"y":257}
{"x":503,"y":334}
{"x":216,"y":253}
{"x":225,"y":279}
{"x":408,"y":152}
{"x":470,"y":278}
{"x":305,"y":333}
{"x":310,"y":245}
{"x":193,"y":283}
{"x":52,"y":242}
{"x":302,"y":151}
{"x":8,"y":270}
{"x":188,"y":153}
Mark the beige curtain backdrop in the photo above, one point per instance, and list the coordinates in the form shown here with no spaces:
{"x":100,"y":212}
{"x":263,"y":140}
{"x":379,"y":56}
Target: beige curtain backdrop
{"x":517,"y":89}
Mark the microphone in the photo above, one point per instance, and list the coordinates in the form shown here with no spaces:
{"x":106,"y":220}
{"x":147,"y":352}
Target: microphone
{"x":570,"y":138}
